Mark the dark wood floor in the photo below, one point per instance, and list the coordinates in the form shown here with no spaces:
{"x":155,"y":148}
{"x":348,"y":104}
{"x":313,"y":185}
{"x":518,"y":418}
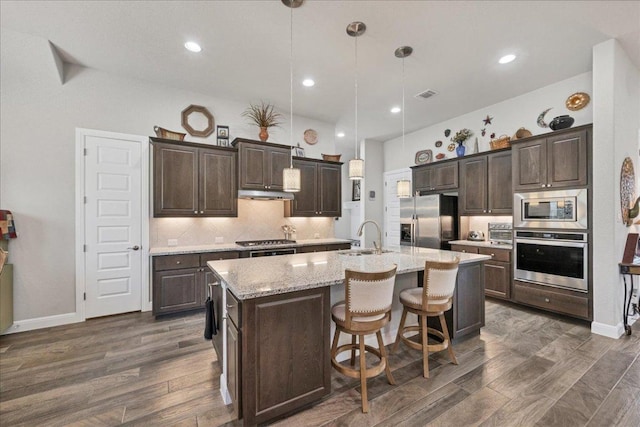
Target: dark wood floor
{"x":526,"y":368}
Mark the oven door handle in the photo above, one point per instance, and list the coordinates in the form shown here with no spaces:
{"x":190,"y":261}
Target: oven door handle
{"x":566,"y":243}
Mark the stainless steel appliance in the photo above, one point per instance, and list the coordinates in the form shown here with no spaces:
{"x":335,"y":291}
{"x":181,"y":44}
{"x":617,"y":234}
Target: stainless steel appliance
{"x":429,"y":221}
{"x":501,"y":233}
{"x":552,"y":258}
{"x":268,"y":252}
{"x":475,"y":236}
{"x":551,"y":209}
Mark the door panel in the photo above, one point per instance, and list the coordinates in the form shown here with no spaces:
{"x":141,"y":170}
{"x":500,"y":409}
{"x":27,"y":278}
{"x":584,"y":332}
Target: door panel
{"x":279,"y":159}
{"x":175,"y":187}
{"x":218,"y":190}
{"x":330,"y":190}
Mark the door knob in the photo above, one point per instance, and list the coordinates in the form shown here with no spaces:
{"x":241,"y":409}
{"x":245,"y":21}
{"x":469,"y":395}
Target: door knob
{"x":135,"y":248}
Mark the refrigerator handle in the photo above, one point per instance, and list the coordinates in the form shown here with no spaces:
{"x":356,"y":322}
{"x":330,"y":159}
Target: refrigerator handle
{"x":414,"y":232}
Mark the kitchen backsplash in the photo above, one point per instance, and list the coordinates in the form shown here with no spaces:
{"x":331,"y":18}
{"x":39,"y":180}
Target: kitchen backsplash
{"x":257,"y":220}
{"x":480,"y":223}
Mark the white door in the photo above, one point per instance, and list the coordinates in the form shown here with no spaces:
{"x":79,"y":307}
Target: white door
{"x":113,"y":219}
{"x":392,"y":205}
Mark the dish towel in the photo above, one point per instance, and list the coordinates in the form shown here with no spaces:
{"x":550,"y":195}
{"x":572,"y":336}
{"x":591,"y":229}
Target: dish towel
{"x":210,"y":326}
{"x":7,"y":226}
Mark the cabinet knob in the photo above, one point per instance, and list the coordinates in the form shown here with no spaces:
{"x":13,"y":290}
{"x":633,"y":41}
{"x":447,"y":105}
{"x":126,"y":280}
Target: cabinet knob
{"x":547,"y":300}
{"x":201,"y":212}
{"x":492,"y":255}
{"x":195,"y":212}
{"x":548,"y":185}
{"x":464,"y":251}
{"x":489,"y":210}
{"x":484,"y":211}
{"x":178,"y":262}
{"x":543,"y":185}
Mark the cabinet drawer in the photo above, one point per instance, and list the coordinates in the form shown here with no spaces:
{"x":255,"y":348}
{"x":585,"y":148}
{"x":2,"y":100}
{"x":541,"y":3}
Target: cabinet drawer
{"x":496,"y":254}
{"x":174,"y":262}
{"x":465,"y":249}
{"x":215,"y":256}
{"x":234,"y":309}
{"x":550,"y":300}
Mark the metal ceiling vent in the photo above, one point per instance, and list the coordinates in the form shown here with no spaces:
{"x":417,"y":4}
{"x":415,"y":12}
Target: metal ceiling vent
{"x":426,"y":94}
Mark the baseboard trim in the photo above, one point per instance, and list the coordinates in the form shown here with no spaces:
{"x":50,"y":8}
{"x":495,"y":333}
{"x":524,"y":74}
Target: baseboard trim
{"x":607,"y":330}
{"x":43,"y":322}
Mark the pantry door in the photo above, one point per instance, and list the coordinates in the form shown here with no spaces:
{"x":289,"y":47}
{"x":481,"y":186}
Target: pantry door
{"x":115,"y":212}
{"x":392,"y":205}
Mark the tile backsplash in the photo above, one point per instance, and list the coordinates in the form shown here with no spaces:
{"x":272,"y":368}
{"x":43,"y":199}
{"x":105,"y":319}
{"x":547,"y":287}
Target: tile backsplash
{"x":479,"y":223}
{"x":257,"y":220}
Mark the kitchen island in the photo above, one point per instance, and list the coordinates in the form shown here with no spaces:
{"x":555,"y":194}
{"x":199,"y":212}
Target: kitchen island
{"x":277,"y":326}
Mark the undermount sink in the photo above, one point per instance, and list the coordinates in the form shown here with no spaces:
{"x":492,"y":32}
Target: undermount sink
{"x":359,"y":252}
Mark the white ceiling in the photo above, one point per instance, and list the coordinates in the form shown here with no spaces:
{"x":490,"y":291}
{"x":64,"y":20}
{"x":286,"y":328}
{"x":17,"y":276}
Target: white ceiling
{"x":245,"y":54}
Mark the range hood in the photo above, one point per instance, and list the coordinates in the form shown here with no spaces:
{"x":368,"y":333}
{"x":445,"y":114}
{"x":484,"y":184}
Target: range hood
{"x":264,"y":195}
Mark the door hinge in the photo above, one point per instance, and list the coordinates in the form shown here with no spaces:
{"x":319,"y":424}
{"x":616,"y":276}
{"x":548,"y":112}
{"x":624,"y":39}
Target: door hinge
{"x":385,"y":183}
{"x":84,"y":295}
{"x":85,"y":151}
{"x":84,"y":248}
{"x":85,"y":200}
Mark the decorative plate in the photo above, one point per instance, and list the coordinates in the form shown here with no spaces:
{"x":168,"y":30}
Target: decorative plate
{"x":310,"y":136}
{"x":577,"y":101}
{"x":451,"y":146}
{"x":440,"y":156}
{"x":627,"y":189}
{"x":438,"y":144}
{"x":424,"y":156}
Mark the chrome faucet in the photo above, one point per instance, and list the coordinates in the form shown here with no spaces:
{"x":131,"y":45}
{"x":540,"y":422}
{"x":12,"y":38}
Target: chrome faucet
{"x":377,"y":246}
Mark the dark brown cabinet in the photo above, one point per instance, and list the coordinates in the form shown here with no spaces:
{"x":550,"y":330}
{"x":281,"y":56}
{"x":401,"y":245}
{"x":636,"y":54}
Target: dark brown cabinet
{"x":261,"y":164}
{"x":233,"y":355}
{"x":323,"y":248}
{"x":485,"y":185}
{"x":435,"y":177}
{"x":180,"y":282}
{"x":497,"y":272}
{"x":576,"y":304}
{"x":321,"y":189}
{"x":556,"y":160}
{"x":193,"y":180}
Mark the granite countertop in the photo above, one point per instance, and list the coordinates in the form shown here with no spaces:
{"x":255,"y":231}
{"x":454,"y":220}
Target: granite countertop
{"x":257,"y":277}
{"x":224,"y":247}
{"x":483,"y":244}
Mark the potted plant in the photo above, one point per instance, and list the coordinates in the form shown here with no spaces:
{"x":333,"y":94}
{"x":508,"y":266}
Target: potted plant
{"x":264,"y":117}
{"x":460,"y":137}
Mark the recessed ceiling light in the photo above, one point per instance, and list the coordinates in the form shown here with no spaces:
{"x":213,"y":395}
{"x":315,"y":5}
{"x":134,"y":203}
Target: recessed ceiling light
{"x":340,"y":134}
{"x":395,"y":110}
{"x":308,"y":82}
{"x":192,"y":46}
{"x":507,"y":58}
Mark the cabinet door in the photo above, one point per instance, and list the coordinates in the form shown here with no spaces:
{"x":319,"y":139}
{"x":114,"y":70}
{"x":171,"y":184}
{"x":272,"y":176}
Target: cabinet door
{"x":175,"y":180}
{"x":278,"y":160}
{"x":464,"y":249}
{"x":216,"y":297}
{"x":473,"y":186}
{"x":499,"y":183}
{"x":177,"y":290}
{"x":305,"y":202}
{"x":529,"y":163}
{"x":218,"y":190}
{"x":307,"y":249}
{"x":567,"y":159}
{"x":421,"y":179}
{"x":253,"y":167}
{"x":444,"y":177}
{"x":468,"y":300}
{"x":233,"y":366}
{"x":497,"y":279}
{"x":330,"y":194}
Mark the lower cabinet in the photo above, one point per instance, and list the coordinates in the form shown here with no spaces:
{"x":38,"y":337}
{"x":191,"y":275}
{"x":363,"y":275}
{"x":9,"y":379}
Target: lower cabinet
{"x":563,"y":301}
{"x":279,"y":357}
{"x":497,"y":271}
{"x":323,"y":248}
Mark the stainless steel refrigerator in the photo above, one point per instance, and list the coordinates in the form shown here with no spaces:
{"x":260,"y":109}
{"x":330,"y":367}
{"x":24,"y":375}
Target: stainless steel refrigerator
{"x":429,"y":221}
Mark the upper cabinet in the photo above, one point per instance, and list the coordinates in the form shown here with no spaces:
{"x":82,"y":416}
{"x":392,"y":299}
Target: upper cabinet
{"x":261,"y":164}
{"x":556,"y":160}
{"x":193,"y":180}
{"x":485,"y":184}
{"x":435,"y":177}
{"x":320,"y":192}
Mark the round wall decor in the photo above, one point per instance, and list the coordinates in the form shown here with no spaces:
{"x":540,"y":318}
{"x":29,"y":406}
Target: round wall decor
{"x":627,"y":190}
{"x":197,"y":120}
{"x":310,"y":136}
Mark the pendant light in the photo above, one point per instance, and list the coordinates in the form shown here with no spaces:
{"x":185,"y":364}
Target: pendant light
{"x":356,"y":166}
{"x":404,"y":185}
{"x":291,"y":175}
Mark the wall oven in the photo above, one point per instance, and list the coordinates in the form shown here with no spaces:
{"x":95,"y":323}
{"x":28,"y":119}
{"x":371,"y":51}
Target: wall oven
{"x":551,"y":209}
{"x":552,"y":258}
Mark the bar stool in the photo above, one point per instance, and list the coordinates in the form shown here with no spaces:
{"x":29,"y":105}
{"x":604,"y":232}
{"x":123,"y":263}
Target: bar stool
{"x":365,"y":310}
{"x":433,"y":299}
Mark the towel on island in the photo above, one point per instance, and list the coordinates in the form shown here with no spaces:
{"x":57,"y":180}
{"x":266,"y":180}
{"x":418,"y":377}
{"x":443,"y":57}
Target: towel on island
{"x":210,"y":326}
{"x":7,"y":226}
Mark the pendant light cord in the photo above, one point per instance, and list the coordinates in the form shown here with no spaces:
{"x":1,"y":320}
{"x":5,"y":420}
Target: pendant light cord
{"x":403,"y":107}
{"x":291,"y":88}
{"x":356,"y":107}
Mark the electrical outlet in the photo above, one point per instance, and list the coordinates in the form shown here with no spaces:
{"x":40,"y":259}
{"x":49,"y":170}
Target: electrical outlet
{"x":219,"y":240}
{"x":316,"y":236}
{"x":172,"y":242}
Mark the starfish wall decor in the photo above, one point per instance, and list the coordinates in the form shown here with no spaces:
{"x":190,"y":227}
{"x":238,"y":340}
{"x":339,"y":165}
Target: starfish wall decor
{"x":487,"y":121}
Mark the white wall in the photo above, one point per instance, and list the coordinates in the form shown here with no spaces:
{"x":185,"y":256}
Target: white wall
{"x":372,"y":208}
{"x":39,"y":116}
{"x":616,"y":116}
{"x":508,"y":116}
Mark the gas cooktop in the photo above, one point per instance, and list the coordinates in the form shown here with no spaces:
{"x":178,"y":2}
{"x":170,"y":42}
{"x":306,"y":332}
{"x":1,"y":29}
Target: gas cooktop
{"x":264,"y":242}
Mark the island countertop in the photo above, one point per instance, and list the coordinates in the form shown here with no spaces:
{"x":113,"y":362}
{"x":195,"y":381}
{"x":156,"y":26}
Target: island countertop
{"x":257,"y":277}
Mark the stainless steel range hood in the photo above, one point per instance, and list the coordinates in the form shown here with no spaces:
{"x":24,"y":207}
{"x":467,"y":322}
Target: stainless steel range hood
{"x":264,"y":195}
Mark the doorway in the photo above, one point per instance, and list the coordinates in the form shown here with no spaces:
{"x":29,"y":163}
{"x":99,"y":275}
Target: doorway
{"x":392,"y":205}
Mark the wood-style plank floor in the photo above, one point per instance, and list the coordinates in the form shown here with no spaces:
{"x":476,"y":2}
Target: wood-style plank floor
{"x":527,"y":368}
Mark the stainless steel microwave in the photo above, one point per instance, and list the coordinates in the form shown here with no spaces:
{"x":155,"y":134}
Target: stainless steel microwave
{"x":551,"y":209}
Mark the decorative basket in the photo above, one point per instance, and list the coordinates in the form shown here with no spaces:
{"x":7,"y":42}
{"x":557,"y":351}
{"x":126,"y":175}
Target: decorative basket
{"x":331,"y":157}
{"x":168,"y":134}
{"x":521,"y":133}
{"x":503,"y":141}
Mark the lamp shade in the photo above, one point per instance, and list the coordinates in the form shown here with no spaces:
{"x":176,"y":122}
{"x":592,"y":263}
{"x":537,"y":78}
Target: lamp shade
{"x":356,"y":169}
{"x":291,"y":180}
{"x":404,"y":189}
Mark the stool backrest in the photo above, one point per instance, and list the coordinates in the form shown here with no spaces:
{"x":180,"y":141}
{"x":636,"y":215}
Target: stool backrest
{"x":439,"y":280}
{"x":368,"y":294}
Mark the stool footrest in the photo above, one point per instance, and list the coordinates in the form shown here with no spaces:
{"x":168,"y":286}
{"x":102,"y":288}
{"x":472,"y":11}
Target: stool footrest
{"x":355,"y":373}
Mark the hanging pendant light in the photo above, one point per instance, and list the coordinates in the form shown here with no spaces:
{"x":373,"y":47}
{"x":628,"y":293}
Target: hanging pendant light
{"x":356,"y":166}
{"x":291,"y":175}
{"x":404,"y":185}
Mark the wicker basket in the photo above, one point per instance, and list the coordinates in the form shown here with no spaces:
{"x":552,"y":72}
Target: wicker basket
{"x":331,"y":157}
{"x":503,"y":141}
{"x":168,"y":134}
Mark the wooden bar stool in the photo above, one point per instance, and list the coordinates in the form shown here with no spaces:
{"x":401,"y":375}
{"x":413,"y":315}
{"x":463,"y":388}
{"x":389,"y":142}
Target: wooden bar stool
{"x":365,"y":310}
{"x":433,"y":299}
